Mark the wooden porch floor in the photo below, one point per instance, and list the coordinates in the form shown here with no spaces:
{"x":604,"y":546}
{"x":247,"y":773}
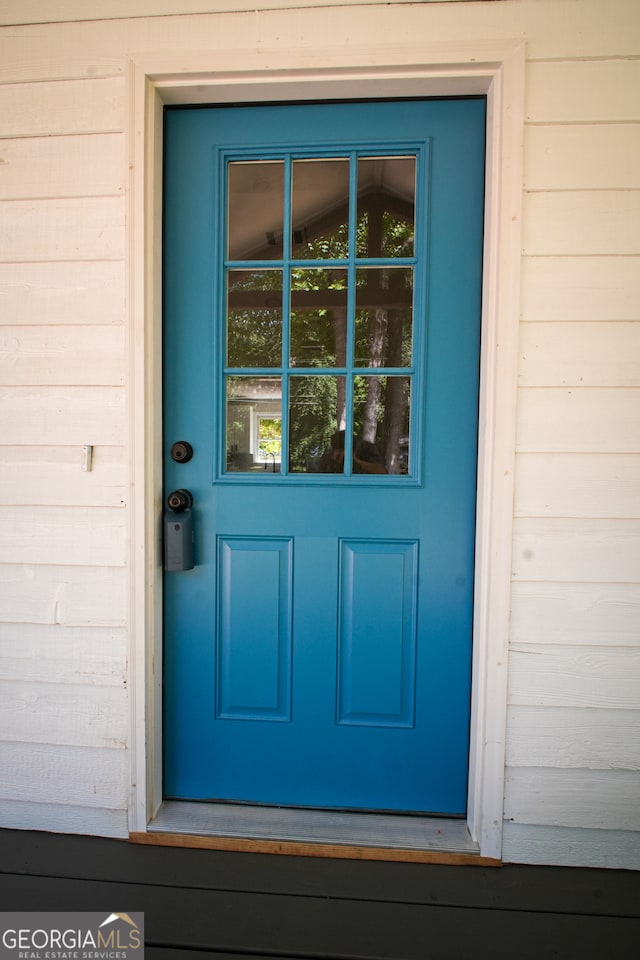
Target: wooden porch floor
{"x":209,"y":904}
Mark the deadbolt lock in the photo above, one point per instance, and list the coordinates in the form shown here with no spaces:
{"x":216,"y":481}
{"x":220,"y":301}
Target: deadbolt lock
{"x":181,"y":451}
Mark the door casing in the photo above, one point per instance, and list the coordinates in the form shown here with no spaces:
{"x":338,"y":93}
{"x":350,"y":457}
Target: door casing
{"x":496,"y":70}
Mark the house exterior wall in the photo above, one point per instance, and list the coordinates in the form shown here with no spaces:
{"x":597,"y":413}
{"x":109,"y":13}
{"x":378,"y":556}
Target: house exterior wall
{"x":573,"y":749}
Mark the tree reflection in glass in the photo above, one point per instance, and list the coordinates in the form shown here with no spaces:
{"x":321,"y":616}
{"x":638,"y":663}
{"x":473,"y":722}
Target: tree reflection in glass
{"x":318,"y":317}
{"x":381,"y":406}
{"x":312,"y":422}
{"x":384,"y":305}
{"x":254,"y":318}
{"x":386,"y":206}
{"x":320,"y":209}
{"x":337,"y":294}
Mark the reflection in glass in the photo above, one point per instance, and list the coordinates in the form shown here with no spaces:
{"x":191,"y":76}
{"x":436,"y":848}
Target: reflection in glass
{"x":254,"y":318}
{"x":320,"y":210}
{"x":381,"y":424}
{"x":318,"y":318}
{"x":256,"y":210}
{"x":348,"y":331}
{"x":386,"y":206}
{"x":269,"y":440}
{"x":313,"y":420}
{"x":253,"y":424}
{"x":383,"y":333}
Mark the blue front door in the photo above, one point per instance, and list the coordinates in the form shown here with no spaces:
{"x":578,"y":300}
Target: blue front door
{"x":322,"y":270}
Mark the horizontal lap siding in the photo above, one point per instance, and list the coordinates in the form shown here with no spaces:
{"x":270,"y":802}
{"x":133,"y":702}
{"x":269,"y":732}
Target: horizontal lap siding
{"x":575,"y":613}
{"x":63,"y":690}
{"x":552,"y":30}
{"x":72,"y":228}
{"x":571,"y":846}
{"x":577,"y":550}
{"x":63,"y":818}
{"x":581,"y":91}
{"x":78,"y":166}
{"x":577,"y":676}
{"x":597,"y":420}
{"x":70,"y":596}
{"x":595,"y":799}
{"x":583,"y":156}
{"x":90,"y":105}
{"x":49,"y":475}
{"x":570,"y":737}
{"x":79,"y":291}
{"x":580,"y":354}
{"x":573,"y":752}
{"x":67,"y":774}
{"x":577,"y":485}
{"x":61,"y":355}
{"x":582,"y":222}
{"x":580,"y":288}
{"x":62,"y":415}
{"x":71,"y":536}
{"x":45,"y":712}
{"x":78,"y":654}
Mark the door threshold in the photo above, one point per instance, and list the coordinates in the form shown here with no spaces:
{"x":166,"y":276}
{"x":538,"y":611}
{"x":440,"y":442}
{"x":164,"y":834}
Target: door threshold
{"x":319,"y":833}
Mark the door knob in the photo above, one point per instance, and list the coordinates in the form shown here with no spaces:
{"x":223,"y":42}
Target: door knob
{"x":180,"y":500}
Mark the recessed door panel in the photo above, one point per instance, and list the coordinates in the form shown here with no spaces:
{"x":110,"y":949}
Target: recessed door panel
{"x":254,"y":639}
{"x":377,"y":633}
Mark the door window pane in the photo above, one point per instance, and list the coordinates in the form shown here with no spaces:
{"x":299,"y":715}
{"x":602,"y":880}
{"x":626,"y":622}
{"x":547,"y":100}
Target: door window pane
{"x":384,"y":309}
{"x":253,"y":412}
{"x":269,"y":440}
{"x":314,"y":406}
{"x":318,"y":318}
{"x":255,"y":210}
{"x":386,"y":206}
{"x":254,"y":318}
{"x":289,"y":325}
{"x":320,"y":210}
{"x":381,"y":407}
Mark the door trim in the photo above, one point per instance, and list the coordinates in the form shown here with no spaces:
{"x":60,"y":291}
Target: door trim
{"x":495,"y":70}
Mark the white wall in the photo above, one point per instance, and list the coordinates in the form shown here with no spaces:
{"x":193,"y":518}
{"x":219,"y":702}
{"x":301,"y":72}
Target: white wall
{"x":573,"y":746}
{"x":573,"y":777}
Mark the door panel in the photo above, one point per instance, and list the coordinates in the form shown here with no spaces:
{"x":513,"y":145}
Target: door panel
{"x":322,"y":297}
{"x":376,"y":681}
{"x":254,"y":678}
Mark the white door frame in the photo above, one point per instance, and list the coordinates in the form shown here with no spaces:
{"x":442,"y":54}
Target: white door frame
{"x":414,"y":70}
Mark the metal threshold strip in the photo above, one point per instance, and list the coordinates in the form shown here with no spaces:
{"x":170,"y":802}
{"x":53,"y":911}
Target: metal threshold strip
{"x":266,"y":827}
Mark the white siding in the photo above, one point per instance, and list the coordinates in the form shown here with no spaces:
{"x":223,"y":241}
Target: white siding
{"x":581,"y":288}
{"x":573,"y":754}
{"x":55,"y":292}
{"x":573,"y":780}
{"x":67,"y":596}
{"x":63,"y":693}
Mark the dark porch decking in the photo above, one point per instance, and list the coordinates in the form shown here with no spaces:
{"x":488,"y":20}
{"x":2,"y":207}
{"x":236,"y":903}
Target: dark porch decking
{"x":206,"y":904}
